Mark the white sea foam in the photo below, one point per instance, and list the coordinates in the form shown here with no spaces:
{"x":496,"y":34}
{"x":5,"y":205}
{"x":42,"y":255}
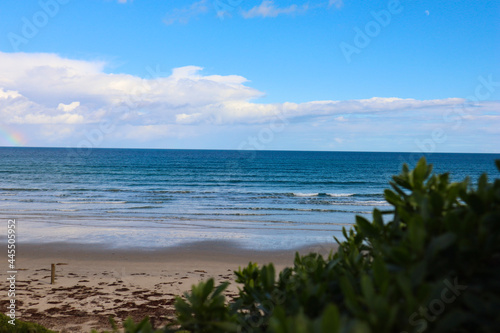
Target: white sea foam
{"x":306,"y":194}
{"x":339,"y":195}
{"x":375,"y":202}
{"x":361,"y":203}
{"x":92,"y":202}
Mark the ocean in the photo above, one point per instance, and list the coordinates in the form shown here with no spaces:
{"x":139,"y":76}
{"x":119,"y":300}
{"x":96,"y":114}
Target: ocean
{"x":152,"y":198}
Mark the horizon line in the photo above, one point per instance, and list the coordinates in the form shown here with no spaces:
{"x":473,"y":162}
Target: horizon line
{"x":257,"y":150}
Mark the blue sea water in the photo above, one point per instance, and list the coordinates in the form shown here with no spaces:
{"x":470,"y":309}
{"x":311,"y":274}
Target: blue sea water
{"x":157,"y":198}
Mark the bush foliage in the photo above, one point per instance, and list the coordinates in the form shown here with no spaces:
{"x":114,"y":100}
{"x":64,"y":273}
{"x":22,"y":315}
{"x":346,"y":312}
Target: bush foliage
{"x":20,"y":326}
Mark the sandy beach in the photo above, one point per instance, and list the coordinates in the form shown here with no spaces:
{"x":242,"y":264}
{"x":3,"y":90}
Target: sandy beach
{"x":94,"y":282}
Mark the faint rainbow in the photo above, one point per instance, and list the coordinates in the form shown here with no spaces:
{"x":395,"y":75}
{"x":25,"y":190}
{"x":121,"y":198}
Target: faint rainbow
{"x":12,"y":137}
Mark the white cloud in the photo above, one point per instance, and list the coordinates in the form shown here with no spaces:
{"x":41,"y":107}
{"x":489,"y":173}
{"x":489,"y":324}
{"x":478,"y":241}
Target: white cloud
{"x":223,"y":8}
{"x":41,"y":92}
{"x":184,"y":15}
{"x":336,"y":3}
{"x":9,"y":94}
{"x":44,"y":88}
{"x":268,"y":9}
{"x":17,"y":109}
{"x":68,"y":107}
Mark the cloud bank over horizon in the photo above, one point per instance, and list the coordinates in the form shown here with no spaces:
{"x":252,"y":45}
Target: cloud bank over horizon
{"x":56,"y":101}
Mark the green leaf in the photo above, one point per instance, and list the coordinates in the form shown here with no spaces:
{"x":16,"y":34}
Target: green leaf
{"x":398,"y":190}
{"x":365,"y":226}
{"x":269,"y":277}
{"x":367,"y":287}
{"x":392,"y":198}
{"x":403,"y":182}
{"x":330,"y":320}
{"x":350,"y":296}
{"x":378,"y":221}
{"x":220,"y":289}
{"x":421,"y":172}
{"x":416,"y":232}
{"x":417,"y":273}
{"x":380,"y":273}
{"x":359,"y":326}
{"x":452,"y":320}
{"x":405,"y":287}
{"x":207,"y":288}
{"x":226,"y":326}
{"x":440,"y":243}
{"x":482,"y":183}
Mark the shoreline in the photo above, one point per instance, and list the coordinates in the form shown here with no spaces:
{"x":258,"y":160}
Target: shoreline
{"x":221,"y":251}
{"x":148,"y":234}
{"x":94,"y":282}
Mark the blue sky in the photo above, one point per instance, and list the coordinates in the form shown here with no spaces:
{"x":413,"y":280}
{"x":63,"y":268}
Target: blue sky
{"x":230,"y":74}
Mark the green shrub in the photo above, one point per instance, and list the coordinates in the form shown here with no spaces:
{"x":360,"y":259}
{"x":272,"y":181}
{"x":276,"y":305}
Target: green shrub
{"x":20,"y":326}
{"x":204,"y":309}
{"x":129,"y":326}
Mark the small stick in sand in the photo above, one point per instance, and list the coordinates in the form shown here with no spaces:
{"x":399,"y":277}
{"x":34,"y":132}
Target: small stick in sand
{"x":52,"y":273}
